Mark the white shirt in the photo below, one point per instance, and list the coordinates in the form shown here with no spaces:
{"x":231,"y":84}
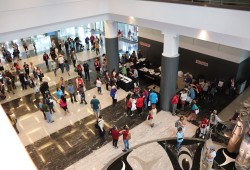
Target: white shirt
{"x":101,"y":124}
{"x":184,"y":96}
{"x":98,"y":83}
{"x":135,"y":75}
{"x":61,"y":60}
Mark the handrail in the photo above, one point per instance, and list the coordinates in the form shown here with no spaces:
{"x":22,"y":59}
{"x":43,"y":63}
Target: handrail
{"x":227,"y":4}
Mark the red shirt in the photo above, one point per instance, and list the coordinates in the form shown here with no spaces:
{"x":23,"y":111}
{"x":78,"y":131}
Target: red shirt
{"x":175,"y":99}
{"x":139,"y":102}
{"x":115,"y":134}
{"x":125,"y":134}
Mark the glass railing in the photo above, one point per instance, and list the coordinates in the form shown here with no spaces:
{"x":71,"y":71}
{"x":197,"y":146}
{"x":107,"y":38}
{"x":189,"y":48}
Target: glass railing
{"x":230,"y":4}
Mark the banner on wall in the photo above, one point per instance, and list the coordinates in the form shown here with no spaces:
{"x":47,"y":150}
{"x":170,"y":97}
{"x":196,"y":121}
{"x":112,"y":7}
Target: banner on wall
{"x":203,"y":63}
{"x":144,"y":44}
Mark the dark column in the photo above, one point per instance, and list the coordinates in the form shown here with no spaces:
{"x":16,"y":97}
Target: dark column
{"x":112,"y":54}
{"x":169,"y":71}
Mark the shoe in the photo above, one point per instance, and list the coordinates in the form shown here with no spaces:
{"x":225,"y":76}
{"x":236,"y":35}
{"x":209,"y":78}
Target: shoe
{"x":52,"y":121}
{"x":116,"y":147}
{"x":76,"y":101}
{"x":86,"y":103}
{"x":132,"y":115}
{"x":124,"y":150}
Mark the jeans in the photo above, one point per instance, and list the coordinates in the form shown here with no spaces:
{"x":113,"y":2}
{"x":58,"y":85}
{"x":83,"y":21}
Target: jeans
{"x":71,"y":97}
{"x":174,"y":106}
{"x":61,"y":67}
{"x":34,"y":74}
{"x":178,"y":145}
{"x":126,"y":144}
{"x":48,"y":117}
{"x":51,"y":108}
{"x":145,"y":103}
{"x":87,"y":75}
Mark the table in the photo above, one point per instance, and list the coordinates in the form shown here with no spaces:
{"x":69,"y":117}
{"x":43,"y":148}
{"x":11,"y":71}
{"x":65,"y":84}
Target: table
{"x":128,"y":85}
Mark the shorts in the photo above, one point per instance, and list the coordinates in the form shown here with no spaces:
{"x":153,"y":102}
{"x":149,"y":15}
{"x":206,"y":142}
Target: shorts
{"x":99,"y":89}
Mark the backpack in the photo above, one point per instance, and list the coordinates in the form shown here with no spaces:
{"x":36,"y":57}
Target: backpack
{"x":129,"y":136}
{"x":177,"y":123}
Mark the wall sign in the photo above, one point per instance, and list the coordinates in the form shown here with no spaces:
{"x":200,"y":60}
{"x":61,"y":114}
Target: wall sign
{"x":144,"y":44}
{"x":201,"y":63}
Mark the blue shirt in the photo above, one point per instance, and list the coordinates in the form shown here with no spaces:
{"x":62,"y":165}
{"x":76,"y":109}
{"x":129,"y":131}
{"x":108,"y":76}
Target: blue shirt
{"x":71,"y":89}
{"x":194,"y":107}
{"x":59,"y":94}
{"x":153,"y":98}
{"x":191,"y":93}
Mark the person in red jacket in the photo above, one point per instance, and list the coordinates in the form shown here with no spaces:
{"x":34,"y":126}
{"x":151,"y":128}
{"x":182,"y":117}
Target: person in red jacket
{"x":115,"y":135}
{"x":139,"y":104}
{"x":174,"y":103}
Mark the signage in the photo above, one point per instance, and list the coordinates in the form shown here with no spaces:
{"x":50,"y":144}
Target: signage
{"x":144,"y":44}
{"x":201,"y":63}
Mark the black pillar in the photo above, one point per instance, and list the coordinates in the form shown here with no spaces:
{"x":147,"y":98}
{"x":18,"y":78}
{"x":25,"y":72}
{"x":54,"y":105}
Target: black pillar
{"x":112,"y":54}
{"x":169,"y":71}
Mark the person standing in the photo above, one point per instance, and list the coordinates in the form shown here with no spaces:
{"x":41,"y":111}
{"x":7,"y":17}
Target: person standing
{"x":107,"y":80}
{"x":115,"y":135}
{"x":145,"y":98}
{"x":87,"y":42}
{"x":82,"y":94}
{"x":66,"y":65}
{"x":135,"y":76}
{"x":14,"y":121}
{"x":180,"y":136}
{"x":101,"y":127}
{"x":96,"y":106}
{"x":97,"y":66}
{"x":128,"y":102}
{"x":40,"y":105}
{"x":183,"y":99}
{"x":50,"y":102}
{"x":180,"y":123}
{"x":61,"y":62}
{"x":46,"y":59}
{"x":126,"y":136}
{"x":33,"y":69}
{"x":22,"y":80}
{"x":174,"y":103}
{"x":73,"y":57}
{"x":26,"y":68}
{"x":86,"y":70}
{"x":62,"y":84}
{"x":194,"y":111}
{"x":153,"y":98}
{"x":71,"y":90}
{"x":59,"y":93}
{"x":214,"y":119}
{"x":54,"y":67}
{"x":39,"y":74}
{"x":63,"y":104}
{"x":139,"y":104}
{"x":113,"y":94}
{"x":97,"y":50}
{"x":79,"y":69}
{"x":99,"y":85}
{"x":45,"y":109}
{"x":209,"y":158}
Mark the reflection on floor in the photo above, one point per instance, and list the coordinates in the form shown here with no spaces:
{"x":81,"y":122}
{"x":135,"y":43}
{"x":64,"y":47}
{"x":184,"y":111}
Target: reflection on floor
{"x":70,"y":144}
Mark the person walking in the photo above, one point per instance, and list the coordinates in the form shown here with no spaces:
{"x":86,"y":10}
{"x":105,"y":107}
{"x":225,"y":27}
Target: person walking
{"x":152,"y":115}
{"x":194,"y":112}
{"x":73,"y":57}
{"x":115,"y":135}
{"x":39,"y":74}
{"x":26,"y":68}
{"x":126,"y":137}
{"x":96,"y":106}
{"x":63,"y":104}
{"x":78,"y":69}
{"x":145,"y":98}
{"x":86,"y":70}
{"x":45,"y":109}
{"x":174,"y":103}
{"x":153,"y":98}
{"x":101,"y":127}
{"x":71,"y":90}
{"x":59,"y":93}
{"x":40,"y":105}
{"x":180,"y":136}
{"x":209,"y":158}
{"x":113,"y":94}
{"x":107,"y":79}
{"x":54,"y":67}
